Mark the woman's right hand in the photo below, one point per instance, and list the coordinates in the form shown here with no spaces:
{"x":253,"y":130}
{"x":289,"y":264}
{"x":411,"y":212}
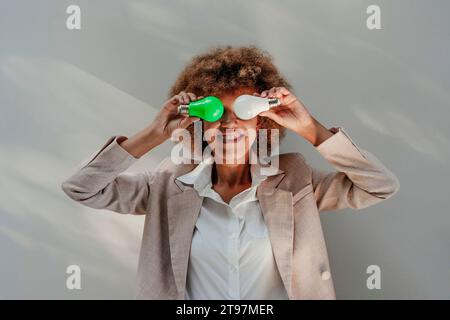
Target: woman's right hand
{"x":168,"y":119}
{"x":165,"y":123}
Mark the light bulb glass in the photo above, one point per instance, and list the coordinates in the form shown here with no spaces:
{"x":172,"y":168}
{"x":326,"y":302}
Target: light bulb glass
{"x":209,"y":108}
{"x":246,"y":106}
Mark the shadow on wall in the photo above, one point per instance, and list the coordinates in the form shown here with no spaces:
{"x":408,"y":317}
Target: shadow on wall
{"x":67,"y":111}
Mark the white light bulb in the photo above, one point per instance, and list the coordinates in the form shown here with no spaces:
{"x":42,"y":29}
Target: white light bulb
{"x":246,"y":106}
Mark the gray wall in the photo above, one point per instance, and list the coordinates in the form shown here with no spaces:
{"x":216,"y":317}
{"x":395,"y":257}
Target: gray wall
{"x":63,"y":93}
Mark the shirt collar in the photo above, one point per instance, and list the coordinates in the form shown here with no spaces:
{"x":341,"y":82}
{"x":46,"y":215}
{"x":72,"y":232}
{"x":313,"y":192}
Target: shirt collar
{"x":200,"y":176}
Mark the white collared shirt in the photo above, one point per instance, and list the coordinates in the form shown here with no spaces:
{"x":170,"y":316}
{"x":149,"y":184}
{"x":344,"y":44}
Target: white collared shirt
{"x":231,"y":256}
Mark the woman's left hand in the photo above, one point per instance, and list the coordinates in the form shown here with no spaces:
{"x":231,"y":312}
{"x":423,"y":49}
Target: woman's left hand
{"x":291,"y":114}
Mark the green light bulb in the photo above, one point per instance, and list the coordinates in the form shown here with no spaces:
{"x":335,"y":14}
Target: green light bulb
{"x":209,"y":108}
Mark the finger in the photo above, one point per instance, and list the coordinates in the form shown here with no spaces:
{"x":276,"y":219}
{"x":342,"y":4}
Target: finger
{"x":272,"y":93}
{"x":284,"y":91}
{"x":256,"y":94}
{"x":279,"y":108}
{"x":181,"y":95}
{"x":279,"y":92}
{"x":186,"y":98}
{"x":192,"y":96}
{"x":175,"y":102}
{"x":271,"y":115}
{"x":175,"y":99}
{"x":182,"y":100}
{"x":200,"y":97}
{"x":264,"y":93}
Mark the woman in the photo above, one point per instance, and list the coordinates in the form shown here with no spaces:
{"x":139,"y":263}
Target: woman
{"x":221,"y":230}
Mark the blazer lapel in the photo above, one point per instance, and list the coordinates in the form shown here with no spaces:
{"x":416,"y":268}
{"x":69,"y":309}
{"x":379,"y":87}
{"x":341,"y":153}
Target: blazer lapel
{"x":276,"y":206}
{"x":182,"y":210}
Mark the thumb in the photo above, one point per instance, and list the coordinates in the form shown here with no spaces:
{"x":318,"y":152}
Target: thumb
{"x":271,"y":115}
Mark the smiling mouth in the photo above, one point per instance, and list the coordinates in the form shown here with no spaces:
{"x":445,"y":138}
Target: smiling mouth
{"x":233,"y":136}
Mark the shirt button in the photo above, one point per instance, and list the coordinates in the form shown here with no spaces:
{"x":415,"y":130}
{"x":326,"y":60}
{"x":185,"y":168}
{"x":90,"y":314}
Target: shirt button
{"x":326,"y":275}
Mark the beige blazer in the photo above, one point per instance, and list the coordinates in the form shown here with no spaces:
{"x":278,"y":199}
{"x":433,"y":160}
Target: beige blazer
{"x":290,"y":202}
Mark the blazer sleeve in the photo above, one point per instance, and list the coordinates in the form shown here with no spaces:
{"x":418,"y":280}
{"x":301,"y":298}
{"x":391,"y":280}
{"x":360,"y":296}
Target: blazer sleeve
{"x":100,"y":183}
{"x":360,"y":180}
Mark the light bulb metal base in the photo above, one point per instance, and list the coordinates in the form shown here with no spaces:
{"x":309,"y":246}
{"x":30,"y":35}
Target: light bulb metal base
{"x":183,"y":109}
{"x":274,"y":102}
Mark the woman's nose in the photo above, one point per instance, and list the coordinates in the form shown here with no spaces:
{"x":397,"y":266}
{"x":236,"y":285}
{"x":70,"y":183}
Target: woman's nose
{"x":228,"y":117}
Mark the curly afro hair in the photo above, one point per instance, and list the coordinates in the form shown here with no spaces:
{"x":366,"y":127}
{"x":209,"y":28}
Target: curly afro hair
{"x":224,"y":69}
